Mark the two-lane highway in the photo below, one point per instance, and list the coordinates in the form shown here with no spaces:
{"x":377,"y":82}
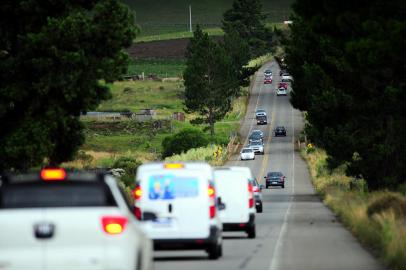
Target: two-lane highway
{"x":295,"y":231}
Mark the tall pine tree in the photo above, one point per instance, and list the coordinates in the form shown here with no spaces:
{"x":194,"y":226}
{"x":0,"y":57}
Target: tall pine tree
{"x":210,"y":82}
{"x":248,"y":20}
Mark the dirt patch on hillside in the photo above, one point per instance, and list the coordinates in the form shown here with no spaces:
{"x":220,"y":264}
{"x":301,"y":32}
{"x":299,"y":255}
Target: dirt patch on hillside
{"x":164,"y":49}
{"x":161,"y":49}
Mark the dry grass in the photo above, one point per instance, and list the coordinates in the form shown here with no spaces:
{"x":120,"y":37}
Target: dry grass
{"x":377,"y":219}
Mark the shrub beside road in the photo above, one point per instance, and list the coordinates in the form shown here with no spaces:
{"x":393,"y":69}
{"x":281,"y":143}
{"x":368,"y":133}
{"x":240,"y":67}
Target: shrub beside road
{"x":377,"y":219}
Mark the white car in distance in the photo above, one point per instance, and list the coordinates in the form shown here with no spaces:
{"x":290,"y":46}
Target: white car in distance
{"x":247,"y":153}
{"x":281,"y":92}
{"x":286,"y":77}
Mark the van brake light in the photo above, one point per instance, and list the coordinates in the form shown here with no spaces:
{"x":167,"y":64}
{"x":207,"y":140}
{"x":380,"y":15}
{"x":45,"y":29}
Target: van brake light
{"x":137,"y":196}
{"x":212,"y":195}
{"x":250,"y":196}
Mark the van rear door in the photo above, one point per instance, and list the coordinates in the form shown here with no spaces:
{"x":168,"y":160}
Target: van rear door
{"x":232,"y":188}
{"x":179,"y":198}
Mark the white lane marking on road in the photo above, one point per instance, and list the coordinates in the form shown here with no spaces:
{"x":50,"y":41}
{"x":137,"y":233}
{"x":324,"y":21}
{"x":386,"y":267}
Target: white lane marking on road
{"x":293,"y":152}
{"x":278,"y":247}
{"x":274,"y":265}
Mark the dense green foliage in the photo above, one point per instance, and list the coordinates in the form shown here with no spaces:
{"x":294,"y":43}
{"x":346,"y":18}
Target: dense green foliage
{"x":238,"y":49}
{"x":54,"y":58}
{"x":248,"y":19}
{"x":348,"y":62}
{"x":210,"y":81}
{"x":184,"y":140}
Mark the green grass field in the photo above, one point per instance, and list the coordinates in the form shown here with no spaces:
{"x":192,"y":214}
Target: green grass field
{"x":163,"y":97}
{"x":162,"y":16}
{"x":162,"y":67}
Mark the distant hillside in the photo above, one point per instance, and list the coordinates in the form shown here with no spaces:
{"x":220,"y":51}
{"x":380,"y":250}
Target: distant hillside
{"x":165,"y":16}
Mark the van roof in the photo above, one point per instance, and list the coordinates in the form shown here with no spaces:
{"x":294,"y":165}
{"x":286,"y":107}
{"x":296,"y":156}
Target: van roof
{"x":173,"y":166}
{"x":247,"y":171}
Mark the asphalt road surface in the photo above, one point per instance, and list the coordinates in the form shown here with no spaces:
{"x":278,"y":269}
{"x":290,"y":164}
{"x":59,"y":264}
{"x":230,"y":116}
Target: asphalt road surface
{"x":295,"y":231}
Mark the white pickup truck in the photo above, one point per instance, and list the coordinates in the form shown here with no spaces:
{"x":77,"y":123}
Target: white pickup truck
{"x":60,"y":220}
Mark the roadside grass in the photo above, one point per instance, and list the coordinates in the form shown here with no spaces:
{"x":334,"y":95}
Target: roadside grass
{"x":164,"y":97}
{"x":377,"y":219}
{"x":163,"y":68}
{"x":214,"y":154}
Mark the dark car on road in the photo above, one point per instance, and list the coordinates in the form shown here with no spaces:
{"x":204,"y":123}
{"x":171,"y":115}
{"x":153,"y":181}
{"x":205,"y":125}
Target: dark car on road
{"x":274,"y":179}
{"x":255,"y":137}
{"x":280,"y":131}
{"x":261,"y":119}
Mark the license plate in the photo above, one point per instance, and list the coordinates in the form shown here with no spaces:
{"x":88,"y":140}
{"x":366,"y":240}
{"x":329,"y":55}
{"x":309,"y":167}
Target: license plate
{"x":163,"y":222}
{"x":274,"y":182}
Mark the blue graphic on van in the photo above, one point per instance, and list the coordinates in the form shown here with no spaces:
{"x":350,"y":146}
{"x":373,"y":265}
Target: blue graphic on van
{"x":167,"y":187}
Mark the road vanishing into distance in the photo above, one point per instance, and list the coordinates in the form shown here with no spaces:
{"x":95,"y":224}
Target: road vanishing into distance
{"x":295,"y":231}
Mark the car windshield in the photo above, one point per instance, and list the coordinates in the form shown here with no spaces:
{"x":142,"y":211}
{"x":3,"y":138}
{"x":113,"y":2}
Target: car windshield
{"x":261,"y":111}
{"x":247,"y":150}
{"x":258,"y":132}
{"x":275,"y":174}
{"x":61,"y":194}
{"x":268,"y":71}
{"x":256,"y":143}
{"x":255,"y":136}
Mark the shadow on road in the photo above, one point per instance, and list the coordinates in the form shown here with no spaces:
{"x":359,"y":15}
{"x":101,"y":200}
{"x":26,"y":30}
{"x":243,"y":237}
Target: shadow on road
{"x":180,"y":258}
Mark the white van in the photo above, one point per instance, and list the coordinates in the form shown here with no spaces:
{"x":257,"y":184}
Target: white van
{"x":236,"y":192}
{"x":179,"y":207}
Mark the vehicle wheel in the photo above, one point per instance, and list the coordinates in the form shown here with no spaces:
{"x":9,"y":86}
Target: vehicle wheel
{"x":251,"y":232}
{"x":215,"y":251}
{"x":259,"y":208}
{"x":266,"y":187}
{"x":283,"y":186}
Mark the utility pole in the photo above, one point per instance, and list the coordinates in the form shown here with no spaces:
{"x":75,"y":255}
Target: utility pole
{"x":190,"y":18}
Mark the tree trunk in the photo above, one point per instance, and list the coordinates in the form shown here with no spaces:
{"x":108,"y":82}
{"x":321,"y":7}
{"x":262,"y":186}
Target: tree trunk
{"x":211,"y":122}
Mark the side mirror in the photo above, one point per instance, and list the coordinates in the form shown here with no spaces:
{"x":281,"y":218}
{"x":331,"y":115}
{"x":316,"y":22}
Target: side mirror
{"x":220,"y":204}
{"x":149,"y":216}
{"x":265,"y":177}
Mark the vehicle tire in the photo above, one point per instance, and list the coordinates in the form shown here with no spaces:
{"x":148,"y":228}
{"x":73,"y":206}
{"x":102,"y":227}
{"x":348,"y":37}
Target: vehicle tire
{"x":259,"y":208}
{"x":283,"y":185}
{"x":215,"y":251}
{"x":252,"y":232}
{"x":266,"y":187}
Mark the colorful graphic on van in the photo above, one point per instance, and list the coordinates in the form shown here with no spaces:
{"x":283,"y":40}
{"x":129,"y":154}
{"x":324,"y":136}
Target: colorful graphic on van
{"x":167,"y":187}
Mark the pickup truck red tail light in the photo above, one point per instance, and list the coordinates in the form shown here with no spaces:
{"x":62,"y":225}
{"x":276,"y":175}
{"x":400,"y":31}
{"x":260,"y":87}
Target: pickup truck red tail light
{"x":114,"y":224}
{"x":53,"y":174}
